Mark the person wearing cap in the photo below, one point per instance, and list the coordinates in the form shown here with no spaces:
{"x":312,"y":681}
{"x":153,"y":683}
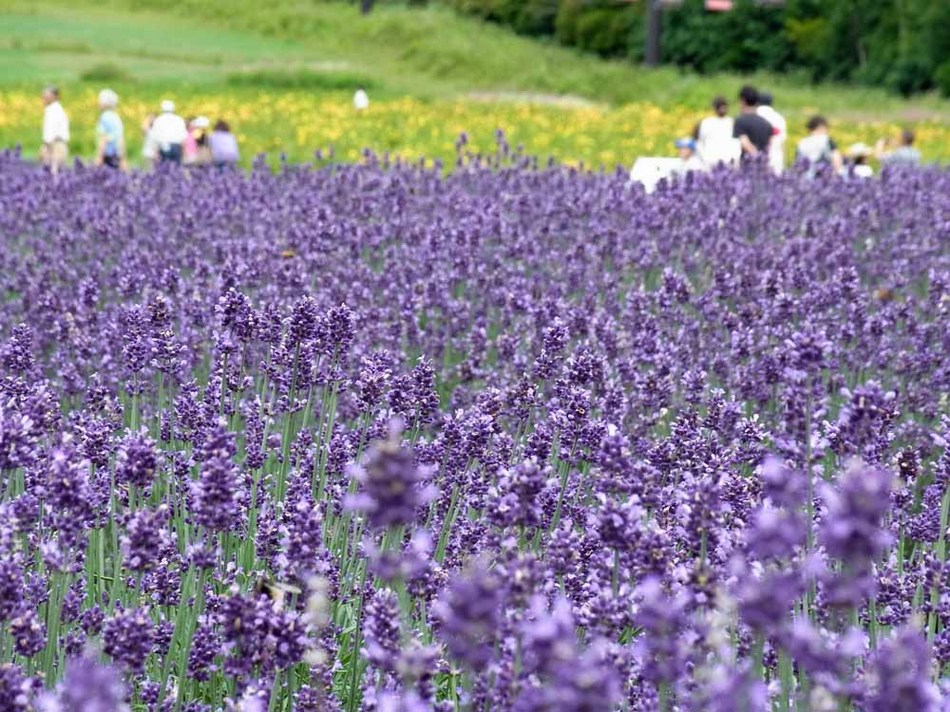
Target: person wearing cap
{"x":689,"y":161}
{"x":714,"y":141}
{"x":858,"y":155}
{"x":195,"y":150}
{"x":110,"y":146}
{"x":55,"y":148}
{"x":779,"y":132}
{"x":169,"y":132}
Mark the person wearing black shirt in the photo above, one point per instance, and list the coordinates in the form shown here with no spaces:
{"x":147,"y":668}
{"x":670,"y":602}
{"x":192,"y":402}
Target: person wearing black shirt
{"x":753,"y":132}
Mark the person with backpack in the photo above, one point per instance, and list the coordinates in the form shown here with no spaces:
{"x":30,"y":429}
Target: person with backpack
{"x":818,"y":149}
{"x":169,"y":133}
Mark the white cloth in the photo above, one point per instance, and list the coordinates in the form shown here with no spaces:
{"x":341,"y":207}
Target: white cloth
{"x":55,"y":123}
{"x":715,"y":143}
{"x":167,"y":129}
{"x":693,"y":163}
{"x":361,"y":100}
{"x":650,"y":170}
{"x":779,"y":137}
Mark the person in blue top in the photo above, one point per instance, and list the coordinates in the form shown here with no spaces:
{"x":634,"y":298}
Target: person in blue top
{"x":110,"y":146}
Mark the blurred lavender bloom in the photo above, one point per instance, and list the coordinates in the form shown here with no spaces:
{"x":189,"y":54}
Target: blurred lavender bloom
{"x":392,"y":485}
{"x":16,"y":689}
{"x":469,"y":612}
{"x":87,"y":687}
{"x":899,"y":676}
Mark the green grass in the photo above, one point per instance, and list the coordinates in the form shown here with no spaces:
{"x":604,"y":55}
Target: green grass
{"x":428,"y":53}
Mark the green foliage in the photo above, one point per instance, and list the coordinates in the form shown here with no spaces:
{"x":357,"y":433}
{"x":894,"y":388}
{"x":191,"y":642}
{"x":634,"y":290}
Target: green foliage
{"x":183,"y":46}
{"x":942,"y":78}
{"x":897,"y":44}
{"x":603,"y":27}
{"x":300,"y":79}
{"x":105,"y":72}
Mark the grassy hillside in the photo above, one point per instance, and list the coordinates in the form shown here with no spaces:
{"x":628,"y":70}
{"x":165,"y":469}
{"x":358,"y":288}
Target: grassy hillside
{"x":422,"y":52}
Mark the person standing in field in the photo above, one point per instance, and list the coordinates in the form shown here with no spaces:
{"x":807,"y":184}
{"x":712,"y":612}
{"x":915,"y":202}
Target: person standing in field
{"x":754,"y":132}
{"x":195,"y":151}
{"x":905,"y":154}
{"x":169,"y":132}
{"x":223,"y":145}
{"x":818,"y":148}
{"x":361,"y":99}
{"x":689,"y":160}
{"x":110,"y":146}
{"x":55,"y":148}
{"x":149,"y":147}
{"x":714,"y":141}
{"x":858,"y":156}
{"x":779,"y":133}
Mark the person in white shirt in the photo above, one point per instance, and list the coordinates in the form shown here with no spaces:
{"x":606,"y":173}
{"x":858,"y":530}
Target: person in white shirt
{"x":818,"y":150}
{"x":55,"y":148}
{"x":361,"y":100}
{"x":715,"y":143}
{"x":168,"y":133}
{"x":779,"y":132}
{"x":149,"y":148}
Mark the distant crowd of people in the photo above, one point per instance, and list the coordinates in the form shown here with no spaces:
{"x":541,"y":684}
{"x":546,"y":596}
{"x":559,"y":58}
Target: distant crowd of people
{"x":758,"y":132}
{"x":761,"y":132}
{"x":167,"y":137}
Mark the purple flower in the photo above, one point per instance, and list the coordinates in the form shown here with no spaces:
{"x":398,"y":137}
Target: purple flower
{"x":129,"y":637}
{"x":775,"y":533}
{"x":392,"y":485}
{"x":147,"y":540}
{"x":28,"y":633}
{"x":381,"y":630}
{"x":260,"y":634}
{"x":469,"y":613}
{"x":136,"y":461}
{"x":87,"y":687}
{"x":216,"y":494}
{"x":852,"y":531}
{"x":899,"y":676}
{"x":16,"y":689}
{"x":662,"y":620}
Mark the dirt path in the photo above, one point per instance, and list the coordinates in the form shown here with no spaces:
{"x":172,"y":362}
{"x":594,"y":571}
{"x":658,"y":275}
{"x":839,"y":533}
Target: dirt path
{"x":567,"y":101}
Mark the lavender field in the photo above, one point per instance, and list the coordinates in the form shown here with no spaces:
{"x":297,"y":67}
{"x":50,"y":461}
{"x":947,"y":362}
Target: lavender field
{"x":513,"y":438}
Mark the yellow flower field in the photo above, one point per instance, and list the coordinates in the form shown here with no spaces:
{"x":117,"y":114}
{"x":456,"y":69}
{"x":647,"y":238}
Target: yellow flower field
{"x":299,"y":123}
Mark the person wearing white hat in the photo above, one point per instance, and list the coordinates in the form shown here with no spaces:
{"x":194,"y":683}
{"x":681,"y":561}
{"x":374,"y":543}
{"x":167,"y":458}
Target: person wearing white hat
{"x":195,"y":151}
{"x":858,"y":155}
{"x":168,"y":133}
{"x":110,"y":147}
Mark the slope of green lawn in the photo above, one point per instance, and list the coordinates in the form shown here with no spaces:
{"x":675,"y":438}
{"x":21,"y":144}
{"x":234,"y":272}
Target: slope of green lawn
{"x":427,"y":53}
